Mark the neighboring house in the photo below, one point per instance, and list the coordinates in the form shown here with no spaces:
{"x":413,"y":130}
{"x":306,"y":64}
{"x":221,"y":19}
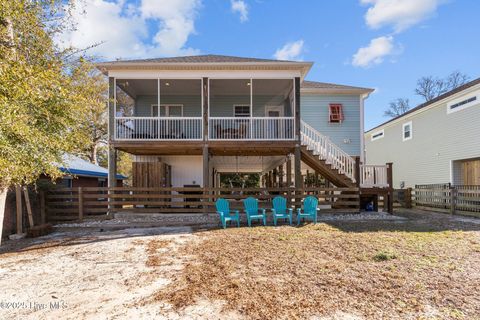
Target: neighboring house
{"x":82,"y":173}
{"x":201,"y":116}
{"x":437,"y":142}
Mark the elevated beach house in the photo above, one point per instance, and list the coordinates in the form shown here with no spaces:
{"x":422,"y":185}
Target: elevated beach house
{"x":186,"y":120}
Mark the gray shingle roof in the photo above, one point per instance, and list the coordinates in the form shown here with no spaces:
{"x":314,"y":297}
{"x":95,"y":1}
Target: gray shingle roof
{"x":326,"y":85}
{"x":208,"y":58}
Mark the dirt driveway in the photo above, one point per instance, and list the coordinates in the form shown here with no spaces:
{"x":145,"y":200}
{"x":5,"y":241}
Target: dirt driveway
{"x":418,"y":266}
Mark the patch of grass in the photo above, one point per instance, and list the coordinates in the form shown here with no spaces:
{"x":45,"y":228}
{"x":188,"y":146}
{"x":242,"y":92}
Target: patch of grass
{"x":295,"y":273}
{"x":384,"y":256}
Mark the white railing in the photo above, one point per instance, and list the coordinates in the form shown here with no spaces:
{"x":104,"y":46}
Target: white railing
{"x":157,"y":128}
{"x":256,"y":128}
{"x":327,"y":150}
{"x":373,"y":176}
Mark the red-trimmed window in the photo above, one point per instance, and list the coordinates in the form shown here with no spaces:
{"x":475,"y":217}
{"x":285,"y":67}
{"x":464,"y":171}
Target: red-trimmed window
{"x":336,"y":113}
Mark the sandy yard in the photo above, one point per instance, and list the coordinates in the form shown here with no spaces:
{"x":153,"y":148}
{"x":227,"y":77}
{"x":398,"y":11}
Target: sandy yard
{"x":419,"y":266}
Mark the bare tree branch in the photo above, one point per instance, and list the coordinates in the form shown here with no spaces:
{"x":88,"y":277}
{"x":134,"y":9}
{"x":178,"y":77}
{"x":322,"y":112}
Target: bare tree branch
{"x":397,"y":107}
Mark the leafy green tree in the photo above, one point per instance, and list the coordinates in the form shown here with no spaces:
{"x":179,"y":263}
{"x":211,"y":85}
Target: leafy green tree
{"x":240,"y":180}
{"x":42,"y":113}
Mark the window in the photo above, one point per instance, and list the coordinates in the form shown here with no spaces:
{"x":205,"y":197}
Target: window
{"x":463,"y":104}
{"x":65,"y":182}
{"x":407,"y":131}
{"x":168,"y":110}
{"x":378,"y":135}
{"x":336,"y":113}
{"x":241,"y":111}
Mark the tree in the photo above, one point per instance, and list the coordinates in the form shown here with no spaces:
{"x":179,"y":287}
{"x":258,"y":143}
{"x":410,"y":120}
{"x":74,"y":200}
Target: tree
{"x":41,"y":108}
{"x":430,"y":87}
{"x":239,"y":180}
{"x":397,"y":108}
{"x":94,"y":86}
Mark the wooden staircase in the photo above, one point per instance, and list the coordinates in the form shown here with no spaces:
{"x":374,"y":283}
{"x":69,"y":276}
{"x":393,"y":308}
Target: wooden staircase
{"x":323,"y":156}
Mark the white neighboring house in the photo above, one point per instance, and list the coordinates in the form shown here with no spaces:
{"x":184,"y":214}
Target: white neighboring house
{"x":437,"y":142}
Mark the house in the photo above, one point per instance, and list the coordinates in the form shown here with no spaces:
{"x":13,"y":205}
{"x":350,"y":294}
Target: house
{"x":437,"y":142}
{"x":187,"y":120}
{"x":82,"y":173}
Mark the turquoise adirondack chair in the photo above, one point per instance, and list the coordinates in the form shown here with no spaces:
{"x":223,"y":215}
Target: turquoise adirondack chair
{"x":280,"y":210}
{"x":223,"y":210}
{"x":310,"y":205}
{"x":253,"y":212}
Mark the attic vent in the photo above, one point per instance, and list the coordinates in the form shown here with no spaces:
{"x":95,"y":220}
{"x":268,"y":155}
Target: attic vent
{"x":460,"y":105}
{"x":378,"y":135}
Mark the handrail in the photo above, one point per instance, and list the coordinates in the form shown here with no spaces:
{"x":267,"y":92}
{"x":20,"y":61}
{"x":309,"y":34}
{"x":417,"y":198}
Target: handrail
{"x":373,"y":176}
{"x":327,"y":150}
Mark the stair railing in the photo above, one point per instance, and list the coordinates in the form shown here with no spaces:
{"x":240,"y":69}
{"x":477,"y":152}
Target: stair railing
{"x":327,"y":150}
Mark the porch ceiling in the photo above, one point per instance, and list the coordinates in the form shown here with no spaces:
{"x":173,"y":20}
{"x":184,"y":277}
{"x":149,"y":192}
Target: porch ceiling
{"x":216,"y":148}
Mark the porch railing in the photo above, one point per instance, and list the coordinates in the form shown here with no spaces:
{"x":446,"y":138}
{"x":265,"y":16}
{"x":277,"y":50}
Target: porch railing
{"x":255,"y":128}
{"x":373,"y":176}
{"x":151,"y":128}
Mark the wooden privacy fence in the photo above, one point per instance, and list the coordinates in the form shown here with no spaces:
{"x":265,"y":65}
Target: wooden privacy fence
{"x":77,"y":203}
{"x":448,"y":198}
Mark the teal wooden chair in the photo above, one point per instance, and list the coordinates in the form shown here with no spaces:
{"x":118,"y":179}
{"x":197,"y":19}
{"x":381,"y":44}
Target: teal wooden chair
{"x":223,"y":210}
{"x":310,"y":205}
{"x":253,"y":212}
{"x":280,"y":210}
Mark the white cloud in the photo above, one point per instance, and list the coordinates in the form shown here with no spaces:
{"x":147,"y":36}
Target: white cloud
{"x":241,"y":7}
{"x":124,"y":29}
{"x":374,"y":53}
{"x":401,"y":14}
{"x":290,"y":51}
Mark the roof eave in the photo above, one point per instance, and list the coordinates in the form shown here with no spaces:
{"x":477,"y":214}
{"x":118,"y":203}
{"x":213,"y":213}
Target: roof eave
{"x":359,"y":91}
{"x":104,"y":67}
{"x":427,"y":105}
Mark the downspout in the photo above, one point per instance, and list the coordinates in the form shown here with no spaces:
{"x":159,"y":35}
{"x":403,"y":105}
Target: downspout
{"x":363,"y":97}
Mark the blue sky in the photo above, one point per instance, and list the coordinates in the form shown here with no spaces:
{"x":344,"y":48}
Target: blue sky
{"x":402,"y":40}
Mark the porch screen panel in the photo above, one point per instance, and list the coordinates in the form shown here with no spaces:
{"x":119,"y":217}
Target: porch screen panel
{"x":181,"y":105}
{"x":226,"y":96}
{"x":273,"y":105}
{"x":136,"y":105}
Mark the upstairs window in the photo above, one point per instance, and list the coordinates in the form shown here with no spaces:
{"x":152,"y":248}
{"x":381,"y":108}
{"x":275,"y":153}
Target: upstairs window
{"x":378,"y":135}
{"x":462,"y":104}
{"x":407,"y":131}
{"x":335,"y":113}
{"x":241,"y":111}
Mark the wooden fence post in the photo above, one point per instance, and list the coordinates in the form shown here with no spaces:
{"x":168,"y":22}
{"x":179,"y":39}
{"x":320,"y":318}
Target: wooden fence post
{"x":453,"y":199}
{"x":390,"y":186}
{"x":18,"y":200}
{"x":43,"y":218}
{"x":80,"y":203}
{"x":408,"y":198}
{"x":29,"y":207}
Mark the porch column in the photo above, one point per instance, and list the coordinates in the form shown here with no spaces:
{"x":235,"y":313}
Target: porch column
{"x":298,"y":153}
{"x":112,"y":152}
{"x":275,"y":182}
{"x":289,"y":172}
{"x":280,"y":176}
{"x":206,"y":167}
{"x":205,"y":108}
